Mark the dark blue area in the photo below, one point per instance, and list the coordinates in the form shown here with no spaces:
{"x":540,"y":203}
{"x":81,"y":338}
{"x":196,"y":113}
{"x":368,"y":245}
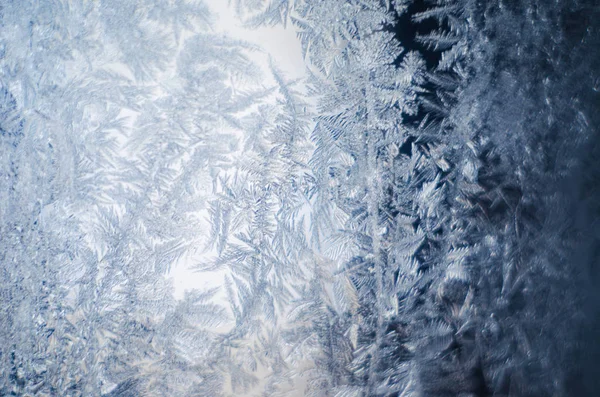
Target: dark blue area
{"x":406,"y":30}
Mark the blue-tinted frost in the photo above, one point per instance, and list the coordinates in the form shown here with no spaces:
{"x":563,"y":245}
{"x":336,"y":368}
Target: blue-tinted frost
{"x":417,"y":218}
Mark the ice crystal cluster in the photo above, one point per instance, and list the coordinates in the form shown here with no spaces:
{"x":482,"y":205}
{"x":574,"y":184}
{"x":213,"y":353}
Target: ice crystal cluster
{"x":419,"y":217}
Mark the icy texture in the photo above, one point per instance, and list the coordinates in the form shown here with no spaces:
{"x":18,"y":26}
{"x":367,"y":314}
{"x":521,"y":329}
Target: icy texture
{"x":104,"y":172}
{"x":455,"y":195}
{"x":429,"y":228}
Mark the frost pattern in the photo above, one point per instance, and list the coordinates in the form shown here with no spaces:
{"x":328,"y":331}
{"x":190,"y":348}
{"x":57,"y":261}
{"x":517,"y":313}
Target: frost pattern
{"x":418,"y":218}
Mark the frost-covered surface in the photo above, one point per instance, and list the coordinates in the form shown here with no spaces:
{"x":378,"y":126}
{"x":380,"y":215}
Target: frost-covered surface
{"x":422,"y":222}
